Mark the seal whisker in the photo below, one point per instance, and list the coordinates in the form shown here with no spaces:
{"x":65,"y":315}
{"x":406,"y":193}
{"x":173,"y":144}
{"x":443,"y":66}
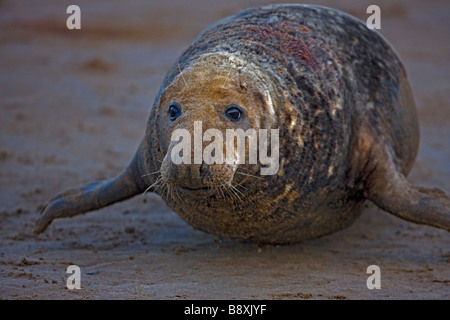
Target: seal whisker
{"x":159,"y":185}
{"x":227,"y":78}
{"x":216,"y":190}
{"x":181,"y":73}
{"x":158,"y":181}
{"x":166,"y":187}
{"x":149,"y":174}
{"x":234,"y":188}
{"x":224,"y":185}
{"x":173,"y":193}
{"x":177,"y":194}
{"x":218,"y":187}
{"x":233,"y":191}
{"x":249,"y":175}
{"x":240,"y":185}
{"x":230,"y":184}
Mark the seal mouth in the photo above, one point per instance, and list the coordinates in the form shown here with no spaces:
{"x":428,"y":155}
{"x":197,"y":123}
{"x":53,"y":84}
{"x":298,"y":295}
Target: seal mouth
{"x":196,"y":189}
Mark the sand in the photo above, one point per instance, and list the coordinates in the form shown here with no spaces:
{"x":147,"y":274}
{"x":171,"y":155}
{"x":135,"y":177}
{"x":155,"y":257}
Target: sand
{"x":73,"y":108}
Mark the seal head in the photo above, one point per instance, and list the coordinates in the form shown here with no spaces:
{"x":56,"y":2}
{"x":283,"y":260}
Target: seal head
{"x":214,"y":93}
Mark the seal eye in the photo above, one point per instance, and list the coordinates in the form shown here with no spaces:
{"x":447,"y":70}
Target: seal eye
{"x":234,"y":112}
{"x":174,"y":111}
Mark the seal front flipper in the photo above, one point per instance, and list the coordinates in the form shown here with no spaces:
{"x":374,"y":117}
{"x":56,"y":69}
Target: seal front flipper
{"x":387,"y":187}
{"x":93,"y":196}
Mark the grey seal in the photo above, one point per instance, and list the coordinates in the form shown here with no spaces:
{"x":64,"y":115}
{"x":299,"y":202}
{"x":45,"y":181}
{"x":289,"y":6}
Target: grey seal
{"x":348,"y":131}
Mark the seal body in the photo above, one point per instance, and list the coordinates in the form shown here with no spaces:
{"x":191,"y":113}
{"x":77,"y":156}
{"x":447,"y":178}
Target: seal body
{"x":326,"y":71}
{"x":348,"y":132}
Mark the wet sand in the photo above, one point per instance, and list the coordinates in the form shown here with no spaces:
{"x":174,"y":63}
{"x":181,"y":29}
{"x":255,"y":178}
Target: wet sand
{"x":73,"y":108}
